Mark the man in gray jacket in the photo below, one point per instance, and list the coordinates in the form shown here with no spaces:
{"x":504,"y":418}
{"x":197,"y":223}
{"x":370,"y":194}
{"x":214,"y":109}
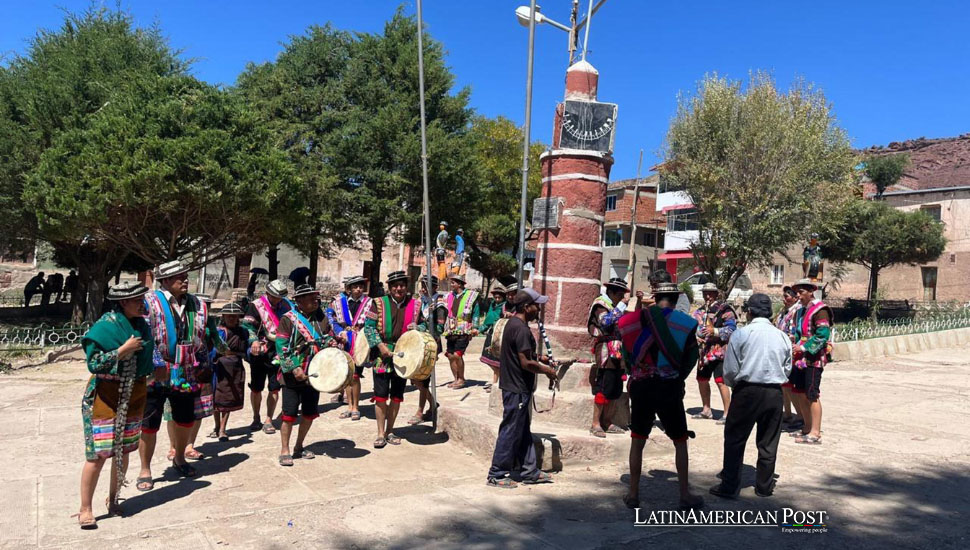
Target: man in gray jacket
{"x":757,"y":362}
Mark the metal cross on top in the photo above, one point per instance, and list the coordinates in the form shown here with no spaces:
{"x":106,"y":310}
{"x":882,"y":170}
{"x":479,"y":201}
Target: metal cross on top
{"x":523,"y":13}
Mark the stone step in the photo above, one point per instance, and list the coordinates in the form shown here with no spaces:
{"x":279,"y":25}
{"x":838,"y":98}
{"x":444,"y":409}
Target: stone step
{"x":572,"y":409}
{"x":557,"y":446}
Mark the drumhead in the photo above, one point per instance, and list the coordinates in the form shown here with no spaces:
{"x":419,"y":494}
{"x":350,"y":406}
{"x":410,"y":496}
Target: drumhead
{"x":361,"y":349}
{"x":330,"y":369}
{"x":495,"y":349}
{"x":413,"y":345}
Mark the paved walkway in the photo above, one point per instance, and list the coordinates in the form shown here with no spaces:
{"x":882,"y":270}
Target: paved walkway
{"x":894,"y":471}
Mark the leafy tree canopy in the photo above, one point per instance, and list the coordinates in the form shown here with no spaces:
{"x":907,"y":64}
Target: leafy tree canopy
{"x":885,"y":170}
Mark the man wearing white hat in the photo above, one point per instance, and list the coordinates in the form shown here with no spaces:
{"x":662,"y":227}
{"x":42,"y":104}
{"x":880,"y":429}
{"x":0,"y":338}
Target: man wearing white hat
{"x":262,"y":320}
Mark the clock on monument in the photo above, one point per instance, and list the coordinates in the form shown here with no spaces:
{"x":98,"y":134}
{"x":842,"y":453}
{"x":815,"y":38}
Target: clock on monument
{"x":588,"y":125}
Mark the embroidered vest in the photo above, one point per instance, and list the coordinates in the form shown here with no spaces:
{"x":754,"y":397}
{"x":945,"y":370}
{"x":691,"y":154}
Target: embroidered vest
{"x":460,"y":312}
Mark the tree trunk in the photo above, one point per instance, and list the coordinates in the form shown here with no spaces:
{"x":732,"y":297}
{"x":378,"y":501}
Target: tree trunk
{"x":314,"y":261}
{"x":78,"y":300}
{"x":93,"y":276}
{"x":873,"y":294}
{"x":273,"y":262}
{"x":376,"y":257}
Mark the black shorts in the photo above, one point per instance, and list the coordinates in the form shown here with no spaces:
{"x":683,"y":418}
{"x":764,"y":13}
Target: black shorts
{"x":261,"y":370}
{"x":715,"y":369}
{"x":457,"y":344}
{"x":655,"y":398}
{"x":300,"y":399}
{"x":182,"y":405}
{"x":358,"y":372}
{"x":808,"y":381}
{"x":388,"y":385}
{"x":609,"y":383}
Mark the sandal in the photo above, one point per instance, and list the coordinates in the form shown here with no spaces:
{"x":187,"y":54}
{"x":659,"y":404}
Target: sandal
{"x":393,"y":439}
{"x":631,"y":502}
{"x":355,"y":415}
{"x":304,"y":454}
{"x":543,"y":477}
{"x":380,"y":443}
{"x":86,"y":523}
{"x":256,"y":425}
{"x":458,"y":386}
{"x":809,"y":440}
{"x":223,"y":438}
{"x":614,"y":429}
{"x":597,"y":432}
{"x":286,"y":460}
{"x":184,"y":469}
{"x":797,"y":433}
{"x":113,"y":510}
{"x":268,"y":428}
{"x":213,"y":434}
{"x":502,"y":483}
{"x":194,"y":455}
{"x":171,"y":454}
{"x":721,"y":421}
{"x":344,"y":414}
{"x":700,"y":415}
{"x":415,"y":420}
{"x":144,"y":484}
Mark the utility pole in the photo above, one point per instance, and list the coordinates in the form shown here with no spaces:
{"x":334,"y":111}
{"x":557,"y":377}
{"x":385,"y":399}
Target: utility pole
{"x":632,"y":262}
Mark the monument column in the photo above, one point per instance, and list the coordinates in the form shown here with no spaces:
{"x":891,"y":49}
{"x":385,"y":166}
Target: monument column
{"x":569,"y":215}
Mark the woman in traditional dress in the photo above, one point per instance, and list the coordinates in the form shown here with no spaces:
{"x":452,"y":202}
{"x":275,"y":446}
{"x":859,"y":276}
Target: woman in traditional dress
{"x":494,"y":310}
{"x":229,"y":370}
{"x":118,"y":350}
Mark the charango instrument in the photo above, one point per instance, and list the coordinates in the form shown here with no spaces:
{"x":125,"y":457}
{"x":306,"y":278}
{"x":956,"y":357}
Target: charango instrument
{"x":495,"y":348}
{"x":414,"y":355}
{"x":331,"y":370}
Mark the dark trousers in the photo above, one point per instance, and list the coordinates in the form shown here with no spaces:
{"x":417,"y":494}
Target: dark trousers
{"x":752,"y":404}
{"x":514,"y":443}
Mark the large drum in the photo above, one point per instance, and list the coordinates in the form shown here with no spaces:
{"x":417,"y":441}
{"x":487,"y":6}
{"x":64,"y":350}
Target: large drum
{"x":414,"y":355}
{"x":331,"y":370}
{"x":361,"y":349}
{"x":495,"y":349}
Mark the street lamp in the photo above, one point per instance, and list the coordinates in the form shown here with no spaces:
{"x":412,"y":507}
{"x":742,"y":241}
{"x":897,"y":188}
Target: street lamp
{"x":522,"y":14}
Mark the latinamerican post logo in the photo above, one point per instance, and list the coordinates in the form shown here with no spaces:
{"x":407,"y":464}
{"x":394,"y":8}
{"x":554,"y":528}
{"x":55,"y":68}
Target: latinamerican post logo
{"x":788,"y":520}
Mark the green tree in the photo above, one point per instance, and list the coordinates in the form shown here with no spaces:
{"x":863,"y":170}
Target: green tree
{"x":300,"y":97}
{"x":378,"y":153}
{"x":122,"y":152}
{"x":497,"y":149}
{"x":876,"y":236}
{"x":884,"y":171}
{"x":761,"y":167}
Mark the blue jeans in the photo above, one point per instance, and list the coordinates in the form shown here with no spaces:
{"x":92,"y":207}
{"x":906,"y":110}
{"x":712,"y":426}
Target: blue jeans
{"x":514,"y":443}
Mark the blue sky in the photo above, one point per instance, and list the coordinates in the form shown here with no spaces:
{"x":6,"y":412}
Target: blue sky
{"x":893,"y":70}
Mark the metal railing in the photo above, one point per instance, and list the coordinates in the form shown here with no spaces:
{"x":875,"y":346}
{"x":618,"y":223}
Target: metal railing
{"x":850,"y":332}
{"x":21,"y":339}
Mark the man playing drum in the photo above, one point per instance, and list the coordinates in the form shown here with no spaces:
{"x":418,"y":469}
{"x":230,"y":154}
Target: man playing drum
{"x":261,"y":320}
{"x":441,"y":315}
{"x":302,"y":333}
{"x":389,"y":317}
{"x":462,"y":309}
{"x":350,"y":308}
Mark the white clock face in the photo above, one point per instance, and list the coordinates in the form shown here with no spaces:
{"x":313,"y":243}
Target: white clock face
{"x":588,"y":125}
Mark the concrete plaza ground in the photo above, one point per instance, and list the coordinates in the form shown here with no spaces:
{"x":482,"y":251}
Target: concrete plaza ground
{"x":894,"y":471}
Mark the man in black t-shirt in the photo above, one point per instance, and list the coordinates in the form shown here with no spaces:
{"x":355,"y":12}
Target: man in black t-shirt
{"x":517,"y":380}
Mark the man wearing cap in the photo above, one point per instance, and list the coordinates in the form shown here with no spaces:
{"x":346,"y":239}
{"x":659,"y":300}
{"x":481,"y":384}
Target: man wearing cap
{"x":350,"y":309}
{"x":462,"y":309}
{"x":785,"y":323}
{"x":606,"y":376}
{"x":494,"y":310}
{"x":302,"y":332}
{"x":183,"y":331}
{"x":519,"y":366}
{"x":660,"y":344}
{"x":441,"y":315}
{"x":262,"y":320}
{"x":390,"y":317}
{"x":716,"y":321}
{"x":812,"y":331}
{"x":756,"y":363}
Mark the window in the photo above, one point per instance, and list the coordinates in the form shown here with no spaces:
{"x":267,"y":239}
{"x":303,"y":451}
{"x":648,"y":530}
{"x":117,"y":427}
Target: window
{"x":929,"y":283}
{"x":682,"y":220}
{"x":612,"y":237}
{"x":610,"y":203}
{"x":777,"y":274}
{"x":649,"y":238}
{"x":934,"y":210}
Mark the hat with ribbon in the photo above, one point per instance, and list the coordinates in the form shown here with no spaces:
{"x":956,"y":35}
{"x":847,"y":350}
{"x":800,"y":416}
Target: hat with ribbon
{"x":170,"y":269}
{"x":126,"y":290}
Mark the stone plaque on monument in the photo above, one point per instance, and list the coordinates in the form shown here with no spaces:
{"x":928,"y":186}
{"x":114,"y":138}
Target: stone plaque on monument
{"x":545,"y":212}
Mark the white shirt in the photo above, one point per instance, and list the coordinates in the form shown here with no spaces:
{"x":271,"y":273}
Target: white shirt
{"x":177,"y":305}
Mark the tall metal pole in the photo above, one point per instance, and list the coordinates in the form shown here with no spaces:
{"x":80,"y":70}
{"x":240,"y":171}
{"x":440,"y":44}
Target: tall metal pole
{"x":427,"y":213}
{"x":589,"y":23}
{"x":632,"y":262}
{"x":525,"y":141}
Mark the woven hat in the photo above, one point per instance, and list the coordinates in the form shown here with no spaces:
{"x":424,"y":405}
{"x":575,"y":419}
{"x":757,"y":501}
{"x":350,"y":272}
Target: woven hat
{"x":514,"y":287}
{"x":807,"y":283}
{"x":617,"y":282}
{"x":232,"y":308}
{"x":396,"y":276}
{"x":709,"y":287}
{"x":666,"y":288}
{"x":434,"y":281}
{"x":499,"y":289}
{"x":126,"y":290}
{"x":355,"y":279}
{"x":276,"y":288}
{"x":458,"y":277}
{"x":170,"y":269}
{"x":443,"y":222}
{"x":304,"y":290}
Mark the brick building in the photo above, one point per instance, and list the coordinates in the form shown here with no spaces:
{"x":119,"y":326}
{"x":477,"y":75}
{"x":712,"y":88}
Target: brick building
{"x":617,"y":230}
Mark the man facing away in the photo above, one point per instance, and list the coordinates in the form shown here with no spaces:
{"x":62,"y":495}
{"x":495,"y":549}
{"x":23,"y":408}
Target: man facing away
{"x":660,"y":346}
{"x":757,"y":362}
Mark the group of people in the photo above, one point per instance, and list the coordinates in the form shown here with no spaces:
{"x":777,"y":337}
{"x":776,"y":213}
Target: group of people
{"x":162,"y":355}
{"x":55,"y":285}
